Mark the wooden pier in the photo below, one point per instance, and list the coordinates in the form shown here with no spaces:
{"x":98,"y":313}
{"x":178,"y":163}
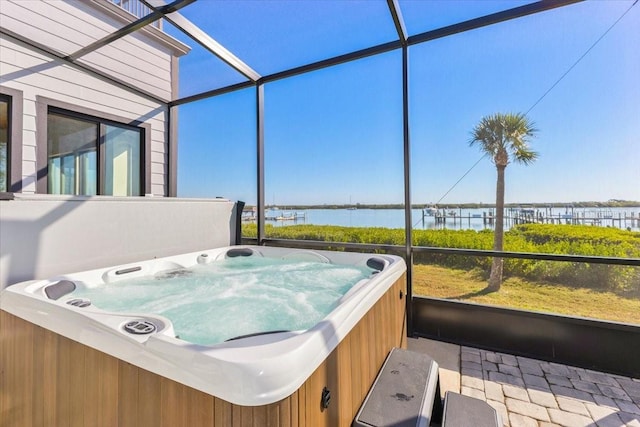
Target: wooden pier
{"x":603,"y":218}
{"x":441,"y":216}
{"x":515,"y":216}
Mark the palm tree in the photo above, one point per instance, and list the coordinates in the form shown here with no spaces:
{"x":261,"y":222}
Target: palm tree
{"x":505,"y":138}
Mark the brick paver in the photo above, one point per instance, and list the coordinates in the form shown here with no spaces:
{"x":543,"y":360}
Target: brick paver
{"x":528,"y":392}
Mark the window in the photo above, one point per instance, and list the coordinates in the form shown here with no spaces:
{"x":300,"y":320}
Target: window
{"x":88,"y":156}
{"x":5,"y":107}
{"x":10,"y":140}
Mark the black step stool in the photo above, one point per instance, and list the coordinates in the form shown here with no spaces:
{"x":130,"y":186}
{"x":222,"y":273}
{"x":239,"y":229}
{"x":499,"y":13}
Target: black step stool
{"x":406,"y":393}
{"x":466,"y":411}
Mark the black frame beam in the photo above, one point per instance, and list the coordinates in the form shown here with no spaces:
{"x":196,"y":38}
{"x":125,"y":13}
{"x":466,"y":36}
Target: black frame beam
{"x":398,"y":22}
{"x":494,"y":18}
{"x":212,"y":93}
{"x":408,"y":227}
{"x":530,"y":255}
{"x":205,"y":40}
{"x":471,"y":24}
{"x":400,"y":249}
{"x":260,"y":161}
{"x":337,"y":60}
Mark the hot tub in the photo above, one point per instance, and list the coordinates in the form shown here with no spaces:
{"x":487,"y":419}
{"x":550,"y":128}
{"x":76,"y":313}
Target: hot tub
{"x":332,"y":361}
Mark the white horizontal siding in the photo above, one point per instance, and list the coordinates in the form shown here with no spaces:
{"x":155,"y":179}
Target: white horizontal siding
{"x":136,"y":74}
{"x":160,"y":149}
{"x":68,"y":26}
{"x":21,"y":18}
{"x":29,"y":123}
{"x":158,"y":188}
{"x":144,"y":49}
{"x":63,"y":82}
{"x":36,"y":75}
{"x":132,"y":48}
{"x":29,"y":153}
{"x":158,"y":169}
{"x":157,"y":158}
{"x":159,"y":135}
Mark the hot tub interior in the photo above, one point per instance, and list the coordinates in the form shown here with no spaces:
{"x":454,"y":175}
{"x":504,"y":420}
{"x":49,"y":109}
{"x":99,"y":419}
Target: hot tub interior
{"x":233,"y":296}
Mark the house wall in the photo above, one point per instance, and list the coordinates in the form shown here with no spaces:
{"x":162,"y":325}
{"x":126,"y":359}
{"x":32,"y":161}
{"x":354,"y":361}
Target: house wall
{"x":143,"y":59}
{"x":46,"y":235}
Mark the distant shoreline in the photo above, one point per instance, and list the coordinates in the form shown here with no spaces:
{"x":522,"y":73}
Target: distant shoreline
{"x":600,"y":205}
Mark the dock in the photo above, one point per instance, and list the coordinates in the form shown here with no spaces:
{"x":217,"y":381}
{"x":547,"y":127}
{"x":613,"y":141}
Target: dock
{"x":598,"y":217}
{"x":515,"y":216}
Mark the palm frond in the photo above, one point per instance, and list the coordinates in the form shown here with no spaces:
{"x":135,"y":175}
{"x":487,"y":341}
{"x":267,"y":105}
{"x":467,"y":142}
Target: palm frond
{"x":508,"y":133}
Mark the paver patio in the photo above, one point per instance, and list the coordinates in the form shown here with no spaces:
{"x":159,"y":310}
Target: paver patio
{"x":529,"y":392}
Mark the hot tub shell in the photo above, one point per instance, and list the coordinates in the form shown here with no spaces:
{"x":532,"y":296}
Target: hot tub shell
{"x":62,"y":363}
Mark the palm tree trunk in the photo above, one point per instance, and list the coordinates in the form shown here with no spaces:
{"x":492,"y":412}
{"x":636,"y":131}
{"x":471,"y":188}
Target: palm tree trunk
{"x":495,"y":279}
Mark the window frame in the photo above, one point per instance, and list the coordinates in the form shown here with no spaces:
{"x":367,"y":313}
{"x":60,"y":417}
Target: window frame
{"x":46,"y":105}
{"x":14,"y":143}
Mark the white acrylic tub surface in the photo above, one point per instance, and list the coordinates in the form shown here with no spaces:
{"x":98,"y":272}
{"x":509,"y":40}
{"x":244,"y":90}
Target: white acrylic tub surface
{"x":251,"y":371}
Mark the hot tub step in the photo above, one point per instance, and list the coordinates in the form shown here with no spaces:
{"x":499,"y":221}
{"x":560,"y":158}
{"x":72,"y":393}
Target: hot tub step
{"x":464,"y":411}
{"x":405,"y":393}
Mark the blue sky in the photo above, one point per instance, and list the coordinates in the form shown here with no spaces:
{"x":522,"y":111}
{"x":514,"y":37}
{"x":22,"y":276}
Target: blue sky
{"x":335,"y":135}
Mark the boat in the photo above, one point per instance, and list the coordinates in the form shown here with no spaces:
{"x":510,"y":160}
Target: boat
{"x":430,"y":211}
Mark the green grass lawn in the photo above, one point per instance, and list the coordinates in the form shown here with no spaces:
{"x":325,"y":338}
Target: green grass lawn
{"x":442,"y":282}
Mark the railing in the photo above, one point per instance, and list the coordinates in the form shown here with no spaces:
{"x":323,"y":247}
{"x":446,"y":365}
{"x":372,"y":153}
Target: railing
{"x":137,"y":8}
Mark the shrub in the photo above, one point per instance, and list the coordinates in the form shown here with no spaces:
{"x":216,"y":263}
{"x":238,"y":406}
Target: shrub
{"x":531,"y":238}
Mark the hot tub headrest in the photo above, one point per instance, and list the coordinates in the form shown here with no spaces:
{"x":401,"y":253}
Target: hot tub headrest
{"x":376,"y":263}
{"x":59,"y":289}
{"x":232,"y":253}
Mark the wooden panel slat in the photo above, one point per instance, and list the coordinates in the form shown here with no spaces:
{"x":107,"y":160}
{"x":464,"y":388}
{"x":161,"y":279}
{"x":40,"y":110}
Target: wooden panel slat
{"x":346,"y":409}
{"x":236,"y":416}
{"x":39,"y":383}
{"x":26,"y":380}
{"x":62,"y":384}
{"x":357,"y":388}
{"x":172,"y":403}
{"x":149,"y":413}
{"x":127,"y":395}
{"x":10,"y":393}
{"x":259,"y":416}
{"x":275,"y":411}
{"x":200,"y":407}
{"x":222,"y":413}
{"x":301,"y":398}
{"x":50,"y":378}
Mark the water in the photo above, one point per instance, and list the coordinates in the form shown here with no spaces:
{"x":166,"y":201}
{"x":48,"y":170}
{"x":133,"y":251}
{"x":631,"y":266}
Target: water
{"x":464,"y":218}
{"x":211,"y":303}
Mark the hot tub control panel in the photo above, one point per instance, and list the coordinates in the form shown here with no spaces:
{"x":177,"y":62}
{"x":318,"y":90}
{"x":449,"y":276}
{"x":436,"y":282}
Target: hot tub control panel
{"x":140,"y":327}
